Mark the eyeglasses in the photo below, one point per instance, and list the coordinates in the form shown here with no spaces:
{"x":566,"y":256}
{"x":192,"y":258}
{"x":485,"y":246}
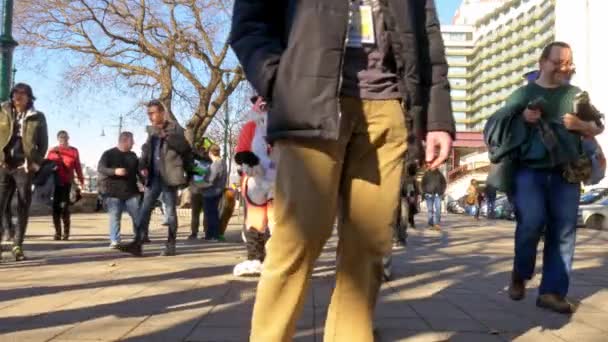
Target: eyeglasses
{"x":562,"y":64}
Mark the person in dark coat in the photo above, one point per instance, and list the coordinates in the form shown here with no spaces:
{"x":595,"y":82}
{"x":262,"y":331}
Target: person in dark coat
{"x":166,"y":156}
{"x":433,"y":188}
{"x":347,"y":99}
{"x":410,"y":192}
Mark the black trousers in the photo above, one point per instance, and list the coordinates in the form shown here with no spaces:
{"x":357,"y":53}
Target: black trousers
{"x":16,"y":182}
{"x":61,"y":209}
{"x":196,"y":203}
{"x":405,"y":218}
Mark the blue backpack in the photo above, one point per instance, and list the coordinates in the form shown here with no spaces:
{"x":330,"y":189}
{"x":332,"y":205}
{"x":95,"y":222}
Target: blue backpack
{"x":592,"y":149}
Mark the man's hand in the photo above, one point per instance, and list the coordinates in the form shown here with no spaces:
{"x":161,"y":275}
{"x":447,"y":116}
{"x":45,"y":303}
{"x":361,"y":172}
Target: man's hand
{"x":438,"y":146}
{"x":586,"y":128}
{"x":573,"y":123}
{"x":120,"y":172}
{"x":532,"y":115}
{"x":33,"y":167}
{"x":144,"y":172}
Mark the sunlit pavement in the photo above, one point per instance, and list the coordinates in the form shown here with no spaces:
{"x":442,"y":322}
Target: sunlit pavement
{"x":448,"y":286}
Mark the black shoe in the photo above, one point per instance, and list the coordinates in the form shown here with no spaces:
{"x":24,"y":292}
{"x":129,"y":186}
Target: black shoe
{"x":555,"y":303}
{"x":146,"y":240}
{"x":57,"y":237}
{"x":192,"y":237}
{"x":66,"y":238}
{"x":169,"y":250}
{"x":387,"y":268}
{"x":131,"y":248}
{"x":397,"y":243}
{"x":18,"y":253}
{"x":517,"y":288}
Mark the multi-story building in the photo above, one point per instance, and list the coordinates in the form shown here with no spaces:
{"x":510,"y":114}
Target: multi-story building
{"x":508,"y":37}
{"x":458,"y":40}
{"x":470,"y":11}
{"x":490,"y":46}
{"x":488,"y":57}
{"x":508,"y":43}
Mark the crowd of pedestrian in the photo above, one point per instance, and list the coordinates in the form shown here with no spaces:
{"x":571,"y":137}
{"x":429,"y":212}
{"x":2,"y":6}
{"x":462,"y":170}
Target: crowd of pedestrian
{"x":337,"y":136}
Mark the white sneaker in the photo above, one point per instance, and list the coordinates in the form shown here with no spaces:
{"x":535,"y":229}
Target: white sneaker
{"x":114,"y":244}
{"x":255,"y":267}
{"x":240,"y":269}
{"x":248,"y":268}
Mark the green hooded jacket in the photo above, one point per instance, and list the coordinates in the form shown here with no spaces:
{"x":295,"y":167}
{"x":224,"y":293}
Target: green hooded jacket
{"x":35,"y":137}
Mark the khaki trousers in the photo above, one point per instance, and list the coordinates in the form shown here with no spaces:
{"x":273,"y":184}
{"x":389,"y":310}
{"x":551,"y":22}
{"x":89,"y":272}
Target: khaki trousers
{"x":360,"y":173}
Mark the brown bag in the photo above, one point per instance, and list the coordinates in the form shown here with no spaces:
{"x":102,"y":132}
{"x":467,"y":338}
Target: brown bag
{"x":578,"y":171}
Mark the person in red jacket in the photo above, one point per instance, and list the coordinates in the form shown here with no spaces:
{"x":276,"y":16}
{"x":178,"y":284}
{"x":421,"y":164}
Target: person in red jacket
{"x":67,"y":159}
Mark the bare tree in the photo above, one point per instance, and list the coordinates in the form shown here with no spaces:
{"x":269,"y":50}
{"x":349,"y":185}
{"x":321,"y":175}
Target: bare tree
{"x":226,"y":128}
{"x":176,"y":49}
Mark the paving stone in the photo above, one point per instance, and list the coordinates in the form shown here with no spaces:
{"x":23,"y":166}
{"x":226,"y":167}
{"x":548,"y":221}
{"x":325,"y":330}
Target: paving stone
{"x":105,"y":328}
{"x":457,"y":324}
{"x":449,"y":286}
{"x":25,"y":333}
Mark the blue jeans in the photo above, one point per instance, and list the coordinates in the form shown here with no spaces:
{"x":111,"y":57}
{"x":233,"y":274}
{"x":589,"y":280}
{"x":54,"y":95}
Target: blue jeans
{"x":433,"y":204}
{"x":544,"y":199}
{"x":212,"y":214}
{"x":155,"y":188}
{"x":164,"y":208}
{"x":491,"y":202}
{"x":115,"y":208}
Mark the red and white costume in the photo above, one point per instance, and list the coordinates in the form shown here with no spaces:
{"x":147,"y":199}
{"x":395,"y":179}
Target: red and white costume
{"x":253,"y":155}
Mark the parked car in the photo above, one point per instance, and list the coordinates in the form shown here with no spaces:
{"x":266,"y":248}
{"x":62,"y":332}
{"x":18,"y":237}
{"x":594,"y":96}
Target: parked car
{"x":456,"y":206}
{"x":593,"y":195}
{"x":594,"y":215}
{"x":502,"y":208}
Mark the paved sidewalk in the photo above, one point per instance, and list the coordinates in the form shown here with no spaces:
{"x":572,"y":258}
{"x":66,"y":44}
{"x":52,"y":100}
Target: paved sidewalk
{"x":448,"y":286}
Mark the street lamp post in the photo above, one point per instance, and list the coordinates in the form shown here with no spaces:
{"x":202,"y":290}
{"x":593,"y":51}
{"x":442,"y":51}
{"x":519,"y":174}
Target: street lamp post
{"x":226,"y":122}
{"x":120,"y":118}
{"x":7,"y":46}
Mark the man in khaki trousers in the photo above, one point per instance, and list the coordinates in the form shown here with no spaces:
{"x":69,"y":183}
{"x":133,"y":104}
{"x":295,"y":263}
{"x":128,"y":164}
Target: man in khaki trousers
{"x":350,"y":85}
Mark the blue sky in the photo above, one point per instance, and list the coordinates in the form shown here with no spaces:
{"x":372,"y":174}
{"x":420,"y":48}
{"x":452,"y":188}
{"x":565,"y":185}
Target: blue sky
{"x":85,"y":117}
{"x":446,"y":9}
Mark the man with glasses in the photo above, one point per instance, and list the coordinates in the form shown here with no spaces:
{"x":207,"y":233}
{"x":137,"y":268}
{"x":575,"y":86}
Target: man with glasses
{"x":24,"y":136}
{"x":544,"y":197}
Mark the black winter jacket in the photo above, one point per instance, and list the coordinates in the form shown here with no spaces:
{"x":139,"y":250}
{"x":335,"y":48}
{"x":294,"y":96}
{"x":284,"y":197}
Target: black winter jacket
{"x":433,"y":182}
{"x":292,"y":54}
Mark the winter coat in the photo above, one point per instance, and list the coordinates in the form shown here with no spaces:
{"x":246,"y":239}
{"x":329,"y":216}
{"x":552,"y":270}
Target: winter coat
{"x":292,"y":53}
{"x":34,"y":134}
{"x":175,"y":154}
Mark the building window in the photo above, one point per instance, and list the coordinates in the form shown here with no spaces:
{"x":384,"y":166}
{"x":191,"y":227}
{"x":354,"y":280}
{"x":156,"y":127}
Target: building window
{"x":461,"y":127}
{"x":456,"y":59}
{"x":459,"y":104}
{"x":456,"y":36}
{"x":458,"y":93}
{"x":457,"y":70}
{"x":458,"y":81}
{"x":460,"y":115}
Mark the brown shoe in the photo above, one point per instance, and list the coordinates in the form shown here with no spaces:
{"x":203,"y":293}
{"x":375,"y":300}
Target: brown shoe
{"x":555,"y":303}
{"x":436,"y":228}
{"x":517,"y":288}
